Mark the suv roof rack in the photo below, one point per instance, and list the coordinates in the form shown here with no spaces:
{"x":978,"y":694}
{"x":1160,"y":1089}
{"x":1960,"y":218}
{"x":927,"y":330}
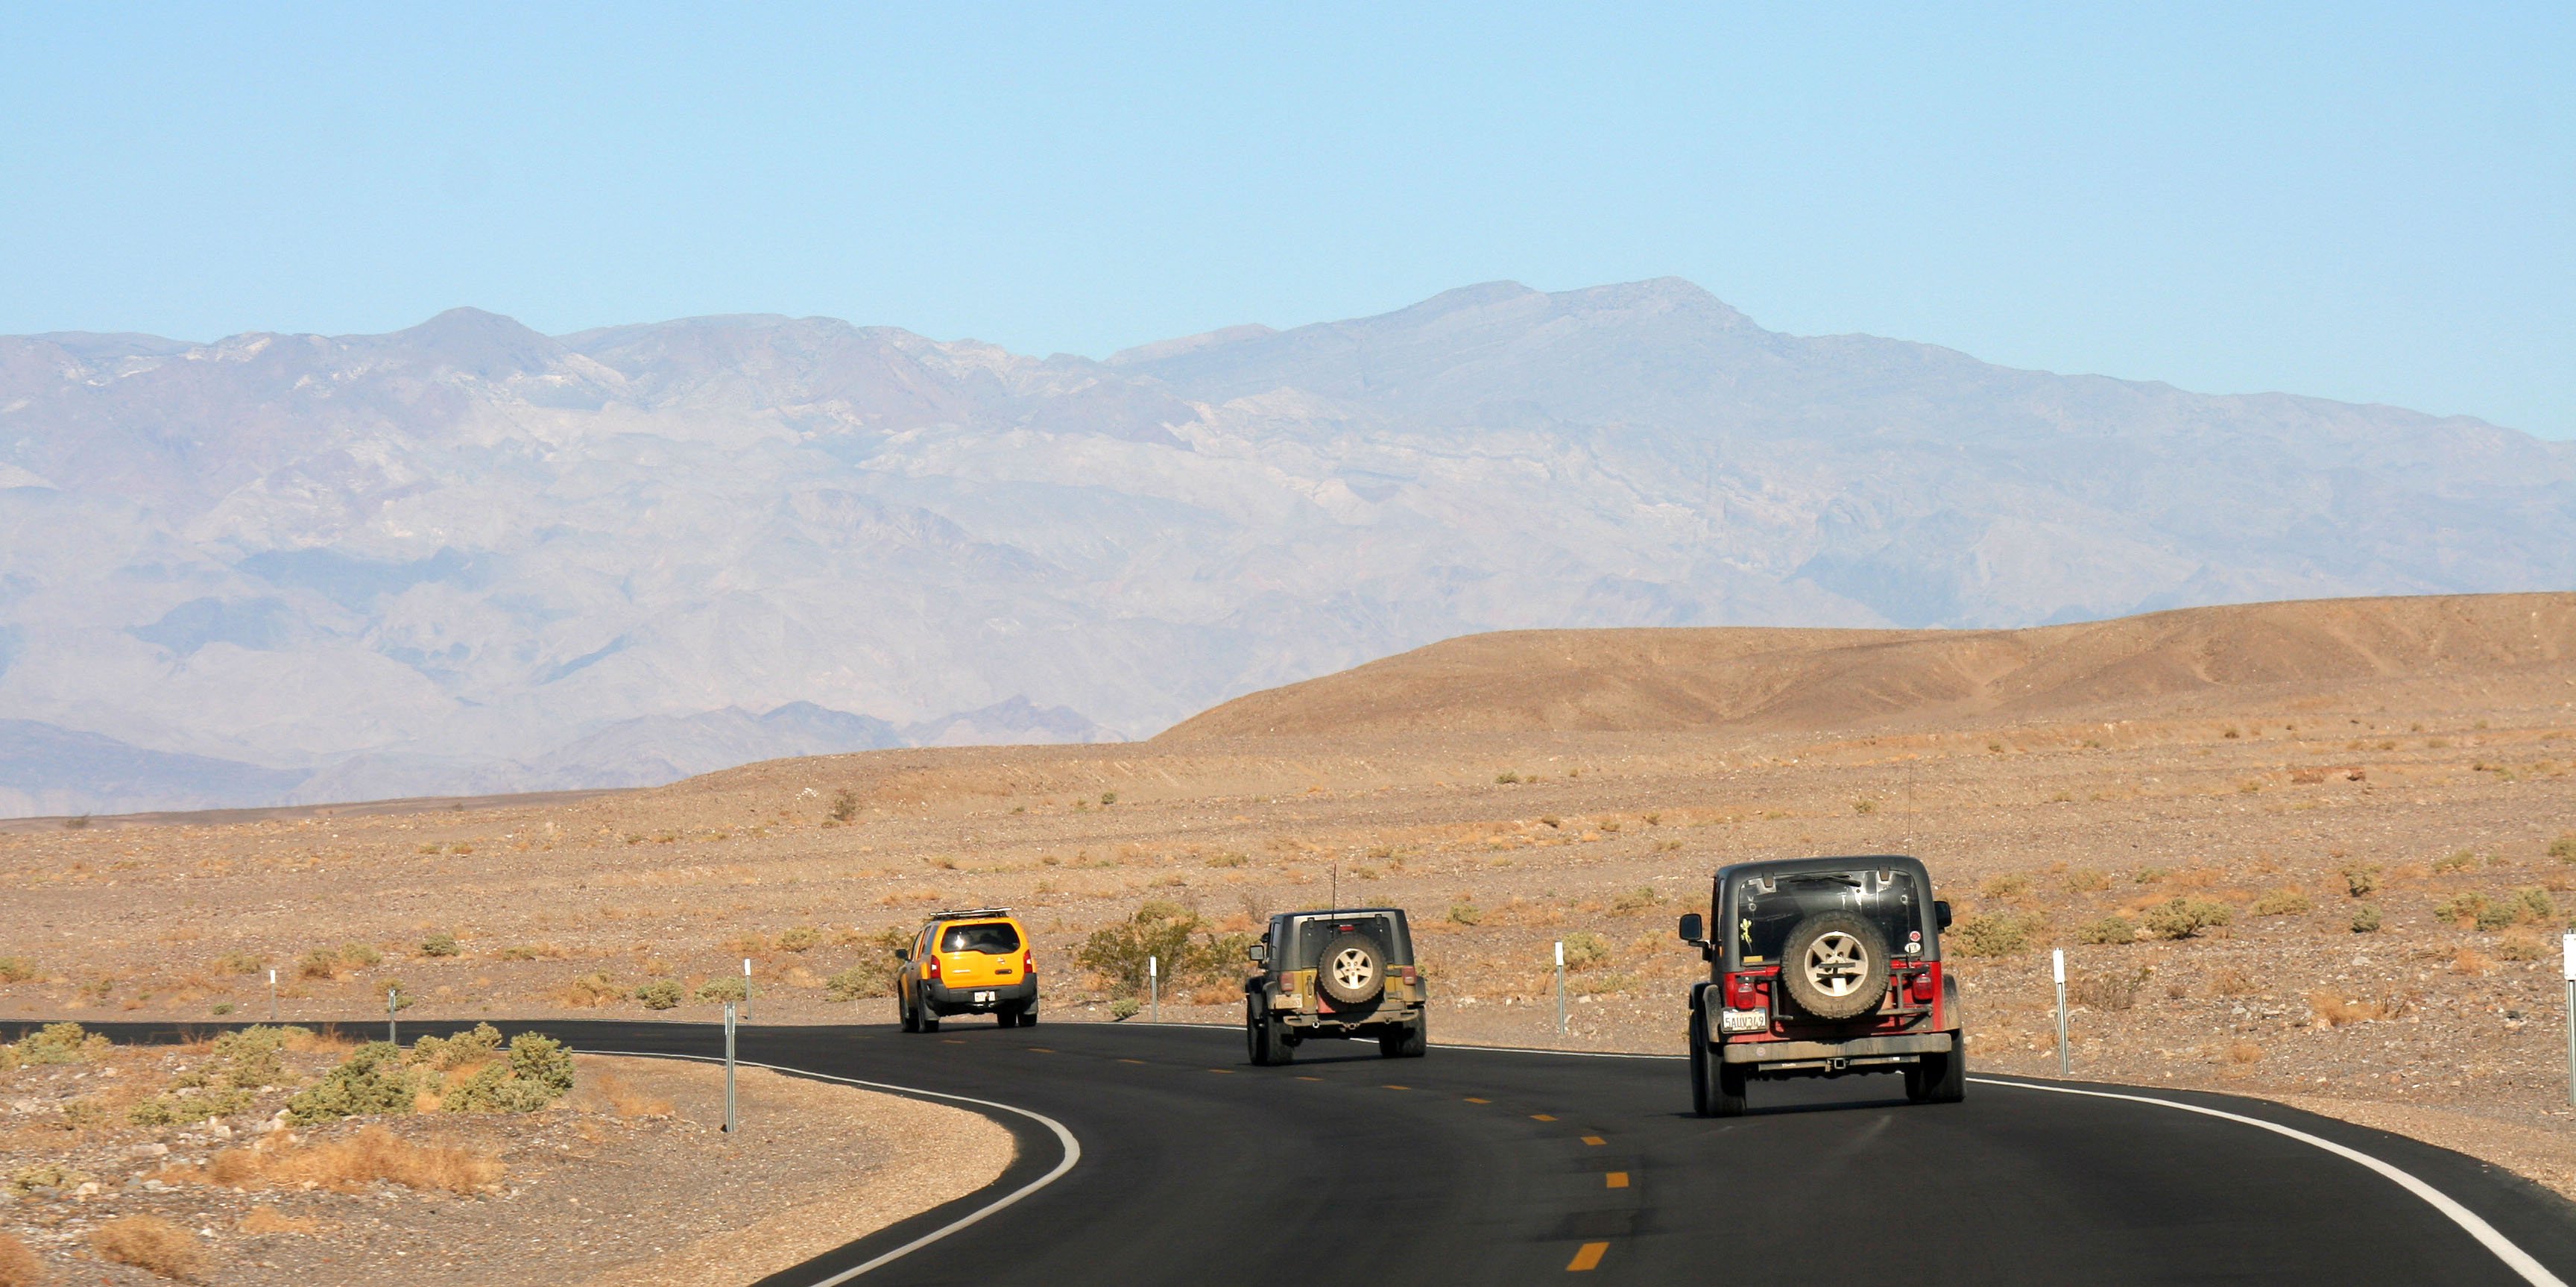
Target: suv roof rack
{"x":970,"y":913}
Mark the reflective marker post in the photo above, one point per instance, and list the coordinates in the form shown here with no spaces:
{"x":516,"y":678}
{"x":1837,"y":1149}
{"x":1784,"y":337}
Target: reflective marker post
{"x":746,"y":989}
{"x":729,"y":1121}
{"x":389,"y":1018}
{"x":2567,"y":946}
{"x":272,"y":996}
{"x":1560,"y":987}
{"x":1154,"y":980}
{"x":2057,"y":962}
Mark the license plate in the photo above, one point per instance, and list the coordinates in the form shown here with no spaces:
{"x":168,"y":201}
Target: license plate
{"x":983,"y":997}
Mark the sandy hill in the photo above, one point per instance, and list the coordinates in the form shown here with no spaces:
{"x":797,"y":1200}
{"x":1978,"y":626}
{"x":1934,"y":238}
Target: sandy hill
{"x":1761,"y":680}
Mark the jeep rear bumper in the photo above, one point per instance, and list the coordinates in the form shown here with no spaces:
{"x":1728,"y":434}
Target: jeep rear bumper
{"x":1344,"y":1023}
{"x":1834,"y":1056}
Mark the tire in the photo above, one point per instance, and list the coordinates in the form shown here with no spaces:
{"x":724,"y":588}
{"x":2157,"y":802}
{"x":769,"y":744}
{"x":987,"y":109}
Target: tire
{"x":1699,"y":1059}
{"x":1352,"y":969}
{"x":903,"y":1012}
{"x":1006,"y":1018}
{"x":1407,"y":1042}
{"x":1029,"y":1017}
{"x":924,"y":1018}
{"x":1835,"y":964}
{"x":1940,"y":1079}
{"x":1256,"y":1037}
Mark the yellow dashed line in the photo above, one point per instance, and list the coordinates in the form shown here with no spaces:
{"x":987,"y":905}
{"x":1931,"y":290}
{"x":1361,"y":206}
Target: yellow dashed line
{"x":1131,"y":1061}
{"x":1588,"y":1257}
{"x":1541,"y":1117}
{"x":1227,"y":1070}
{"x":1617,"y":1179}
{"x":1043,"y":1050}
{"x":952,"y":1041}
{"x":1473,"y":1100}
{"x":1304,"y":1077}
{"x":1594,"y":1140}
{"x":1392,"y":1086}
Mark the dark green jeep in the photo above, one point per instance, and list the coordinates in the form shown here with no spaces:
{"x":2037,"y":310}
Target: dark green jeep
{"x":1335,"y":974}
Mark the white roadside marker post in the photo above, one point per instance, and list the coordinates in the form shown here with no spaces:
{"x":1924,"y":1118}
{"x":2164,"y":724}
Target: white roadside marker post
{"x":2567,"y":946}
{"x":272,"y":996}
{"x":1560,"y":987}
{"x":729,"y":1118}
{"x":746,"y":989}
{"x":389,"y":1017}
{"x":1154,"y":980}
{"x":2057,"y":962}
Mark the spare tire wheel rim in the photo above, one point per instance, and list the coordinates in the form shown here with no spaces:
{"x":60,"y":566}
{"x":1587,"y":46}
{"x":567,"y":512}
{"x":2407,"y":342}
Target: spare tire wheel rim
{"x":1837,"y":963}
{"x":1352,"y":969}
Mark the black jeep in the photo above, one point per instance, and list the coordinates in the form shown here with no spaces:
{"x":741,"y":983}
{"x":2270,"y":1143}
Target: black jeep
{"x":1822,"y":967}
{"x":1334,"y":974}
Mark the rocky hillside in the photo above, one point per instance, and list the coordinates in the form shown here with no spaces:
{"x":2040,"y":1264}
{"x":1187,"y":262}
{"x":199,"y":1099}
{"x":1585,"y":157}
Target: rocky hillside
{"x":469,"y":557}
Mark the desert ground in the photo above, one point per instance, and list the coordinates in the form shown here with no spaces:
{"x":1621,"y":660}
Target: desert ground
{"x":2367,"y":810}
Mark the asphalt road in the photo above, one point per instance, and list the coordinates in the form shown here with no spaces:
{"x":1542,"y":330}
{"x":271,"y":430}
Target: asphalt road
{"x":1480,"y":1166}
{"x":1477,"y":1166}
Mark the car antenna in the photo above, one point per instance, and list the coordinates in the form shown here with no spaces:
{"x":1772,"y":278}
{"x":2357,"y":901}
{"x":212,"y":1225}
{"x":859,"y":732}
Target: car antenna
{"x":1337,"y":886}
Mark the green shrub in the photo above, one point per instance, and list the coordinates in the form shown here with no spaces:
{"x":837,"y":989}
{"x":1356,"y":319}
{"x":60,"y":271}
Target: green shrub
{"x":659,"y":994}
{"x":722,"y":988}
{"x":2361,"y":879}
{"x":865,"y":979}
{"x":359,"y":954}
{"x":2564,"y":847}
{"x":2365,"y":919}
{"x":16,"y":969}
{"x":447,"y":1054}
{"x":1636,"y":900}
{"x":61,"y":1043}
{"x":1118,"y":952}
{"x":1124,"y":1008}
{"x":320,"y":963}
{"x":1993,"y":934}
{"x":1466,"y":914}
{"x":2187,"y":917}
{"x":1585,"y":949}
{"x":222,"y":1008}
{"x":2085,"y":880}
{"x":2471,"y":908}
{"x":2108,"y":930}
{"x":799,"y":939}
{"x":845,"y":805}
{"x":2149,"y":875}
{"x":2281,"y":902}
{"x":178,"y":1108}
{"x":440,"y":945}
{"x":373,"y":1079}
{"x":2005,"y":887}
{"x":2460,"y":861}
{"x":241,"y":962}
{"x":537,"y":1073}
{"x":1108,"y":798}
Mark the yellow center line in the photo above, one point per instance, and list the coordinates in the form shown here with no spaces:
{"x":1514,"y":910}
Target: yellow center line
{"x":1617,"y":1179}
{"x":1131,"y":1061}
{"x":1473,"y":1100}
{"x":1594,"y":1140}
{"x":1541,"y":1117}
{"x":952,"y":1041}
{"x":1224,"y":1070}
{"x":1588,"y":1257}
{"x":1304,"y":1077}
{"x":1043,"y":1050}
{"x":1393,"y":1086}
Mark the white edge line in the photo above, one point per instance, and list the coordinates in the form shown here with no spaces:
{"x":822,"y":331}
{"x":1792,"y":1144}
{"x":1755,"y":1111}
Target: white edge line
{"x":1072,"y":1151}
{"x":2514,"y":1257}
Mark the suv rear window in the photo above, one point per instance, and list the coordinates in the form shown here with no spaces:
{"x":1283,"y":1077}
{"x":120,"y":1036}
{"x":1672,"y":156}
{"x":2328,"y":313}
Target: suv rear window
{"x":994,"y":937}
{"x":1765,"y":910}
{"x":1314,"y":931}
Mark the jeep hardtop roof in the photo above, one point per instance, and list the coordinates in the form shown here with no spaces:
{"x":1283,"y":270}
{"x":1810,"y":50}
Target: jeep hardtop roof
{"x":1828,"y":862}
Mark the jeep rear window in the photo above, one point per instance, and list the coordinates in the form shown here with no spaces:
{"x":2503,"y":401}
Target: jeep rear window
{"x":1764,"y":913}
{"x":995,"y":937}
{"x":1314,"y":932}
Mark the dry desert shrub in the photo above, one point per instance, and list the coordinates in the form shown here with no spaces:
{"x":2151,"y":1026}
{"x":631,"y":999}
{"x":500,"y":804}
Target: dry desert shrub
{"x":2244,"y":1053}
{"x":370,"y":1155}
{"x":2361,"y":879}
{"x":2335,"y":1011}
{"x":328,"y":1041}
{"x":151,"y":1244}
{"x":2471,"y":961}
{"x":2230,"y":982}
{"x":270,"y":1220}
{"x":2085,"y":880}
{"x":2107,"y":931}
{"x":19,"y":1266}
{"x":2182,"y":918}
{"x":16,"y":969}
{"x":2114,"y":991}
{"x":2366,"y":919}
{"x":2288,"y":901}
{"x":605,"y":1090}
{"x":2461,"y":860}
{"x":2005,"y":888}
{"x":1994,"y":934}
{"x":2564,"y":847}
{"x":533,"y":952}
{"x":590,"y":990}
{"x":2521,"y":945}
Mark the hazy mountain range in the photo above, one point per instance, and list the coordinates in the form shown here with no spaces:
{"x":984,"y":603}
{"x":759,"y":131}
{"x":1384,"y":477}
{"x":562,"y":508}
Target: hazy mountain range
{"x":470,"y":557}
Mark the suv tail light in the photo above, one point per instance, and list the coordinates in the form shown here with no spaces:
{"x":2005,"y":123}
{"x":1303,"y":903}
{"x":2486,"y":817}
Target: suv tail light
{"x":1028,"y":961}
{"x":930,"y":966}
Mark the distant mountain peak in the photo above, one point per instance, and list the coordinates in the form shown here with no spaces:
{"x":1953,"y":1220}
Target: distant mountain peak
{"x":484,"y":343}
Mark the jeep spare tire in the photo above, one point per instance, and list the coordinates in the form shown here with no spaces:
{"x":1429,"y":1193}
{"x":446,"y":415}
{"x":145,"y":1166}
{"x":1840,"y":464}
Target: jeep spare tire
{"x":1836,"y":965}
{"x":1352,"y":970}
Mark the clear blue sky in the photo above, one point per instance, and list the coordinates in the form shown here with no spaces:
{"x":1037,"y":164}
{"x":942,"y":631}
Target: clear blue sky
{"x":2357,"y":202}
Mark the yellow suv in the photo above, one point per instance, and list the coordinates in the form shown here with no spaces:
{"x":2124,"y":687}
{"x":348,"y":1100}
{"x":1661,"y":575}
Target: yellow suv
{"x":970,"y":962}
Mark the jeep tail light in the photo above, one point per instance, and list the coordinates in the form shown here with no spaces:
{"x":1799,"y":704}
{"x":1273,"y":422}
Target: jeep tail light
{"x":1923,"y":988}
{"x":1743,"y":991}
